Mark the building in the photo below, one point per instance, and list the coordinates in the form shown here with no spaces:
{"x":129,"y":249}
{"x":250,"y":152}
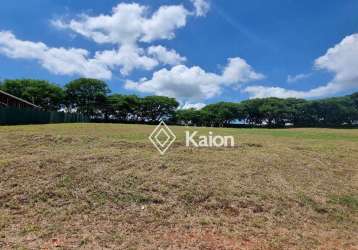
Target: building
{"x":8,"y":100}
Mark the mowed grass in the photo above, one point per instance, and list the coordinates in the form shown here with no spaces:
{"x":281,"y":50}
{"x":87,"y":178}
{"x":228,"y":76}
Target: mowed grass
{"x":91,"y":186}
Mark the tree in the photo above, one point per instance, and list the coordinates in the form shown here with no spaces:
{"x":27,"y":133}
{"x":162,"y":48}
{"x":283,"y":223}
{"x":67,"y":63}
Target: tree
{"x":191,"y":117}
{"x":123,"y":107}
{"x":156,"y":108}
{"x":42,"y":93}
{"x":251,"y":109}
{"x":223,"y":113}
{"x":274,"y":111}
{"x":337,"y":111}
{"x":294,"y":110}
{"x":87,"y":96}
{"x":354,"y":98}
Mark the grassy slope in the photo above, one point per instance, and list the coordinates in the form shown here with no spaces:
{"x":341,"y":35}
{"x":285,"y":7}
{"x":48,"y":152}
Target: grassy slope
{"x":102,"y":185}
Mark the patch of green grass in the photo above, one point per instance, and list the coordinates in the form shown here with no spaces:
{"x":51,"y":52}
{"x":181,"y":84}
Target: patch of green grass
{"x":350,"y":201}
{"x":65,"y":182}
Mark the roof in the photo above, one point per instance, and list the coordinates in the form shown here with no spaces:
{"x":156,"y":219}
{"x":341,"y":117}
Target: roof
{"x":19,"y":99}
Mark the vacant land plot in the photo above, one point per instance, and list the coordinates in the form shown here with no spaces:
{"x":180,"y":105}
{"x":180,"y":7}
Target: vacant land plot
{"x":105,"y":186}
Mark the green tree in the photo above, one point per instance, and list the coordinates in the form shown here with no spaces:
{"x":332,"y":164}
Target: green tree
{"x":354,"y":98}
{"x":156,"y":108}
{"x":294,"y":110}
{"x":223,"y":113}
{"x":123,"y":107}
{"x":42,"y":93}
{"x":337,"y":111}
{"x":251,"y":109}
{"x":87,"y":96}
{"x":274,"y":111}
{"x":191,"y":117}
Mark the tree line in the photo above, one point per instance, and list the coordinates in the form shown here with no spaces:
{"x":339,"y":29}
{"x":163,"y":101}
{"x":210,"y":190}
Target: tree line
{"x":92,"y":98}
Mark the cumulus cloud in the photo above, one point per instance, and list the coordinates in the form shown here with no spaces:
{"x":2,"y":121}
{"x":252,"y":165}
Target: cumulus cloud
{"x":202,"y":7}
{"x":194,"y":83}
{"x":164,"y":22}
{"x":129,"y":23}
{"x":127,"y":58}
{"x":59,"y":61}
{"x":128,"y":26}
{"x":163,"y":55}
{"x":342,"y":60}
{"x":238,"y":71}
{"x":77,"y":61}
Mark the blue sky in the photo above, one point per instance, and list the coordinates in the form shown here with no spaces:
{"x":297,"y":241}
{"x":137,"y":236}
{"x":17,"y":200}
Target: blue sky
{"x":268,"y":42}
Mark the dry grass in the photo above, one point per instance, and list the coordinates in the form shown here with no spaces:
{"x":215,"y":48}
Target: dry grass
{"x":104,"y":186}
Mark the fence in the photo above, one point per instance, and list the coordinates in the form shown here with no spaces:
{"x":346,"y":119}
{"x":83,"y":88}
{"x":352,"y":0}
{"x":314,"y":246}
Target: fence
{"x":13,"y":116}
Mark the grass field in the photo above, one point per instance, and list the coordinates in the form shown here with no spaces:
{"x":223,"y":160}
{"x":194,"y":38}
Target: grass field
{"x":104,"y":186}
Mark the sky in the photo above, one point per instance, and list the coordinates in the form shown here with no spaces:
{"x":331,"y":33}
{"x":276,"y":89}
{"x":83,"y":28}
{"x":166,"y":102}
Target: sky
{"x":198,"y":51}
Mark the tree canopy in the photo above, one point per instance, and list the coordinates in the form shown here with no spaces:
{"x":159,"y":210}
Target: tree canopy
{"x":42,"y":93}
{"x":86,"y":95}
{"x":156,"y":108}
{"x":92,"y":98}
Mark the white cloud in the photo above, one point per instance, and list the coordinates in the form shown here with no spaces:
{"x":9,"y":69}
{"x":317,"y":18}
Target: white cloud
{"x":295,"y":78}
{"x":202,"y":7}
{"x":342,"y":60}
{"x":180,"y":82}
{"x":127,"y":58}
{"x":56,"y":60}
{"x":123,"y":26}
{"x":162,"y":54}
{"x":264,"y":91}
{"x":127,"y":27}
{"x":128,"y":24}
{"x":239,"y":71}
{"x":164,"y":22}
{"x":196,"y":106}
{"x":194,"y":83}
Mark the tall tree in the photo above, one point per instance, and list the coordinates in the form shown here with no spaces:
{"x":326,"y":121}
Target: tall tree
{"x":87,"y":96}
{"x":274,"y":111}
{"x":354,"y":98}
{"x":223,"y":113}
{"x":336,"y":111}
{"x":191,"y":117}
{"x":123,"y":107}
{"x":251,"y":108}
{"x":156,"y":108}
